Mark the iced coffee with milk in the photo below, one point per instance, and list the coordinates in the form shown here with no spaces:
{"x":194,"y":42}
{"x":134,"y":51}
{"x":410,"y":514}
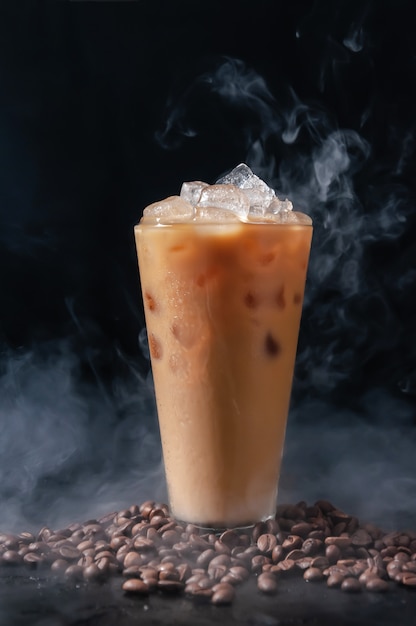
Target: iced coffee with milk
{"x":222,"y":271}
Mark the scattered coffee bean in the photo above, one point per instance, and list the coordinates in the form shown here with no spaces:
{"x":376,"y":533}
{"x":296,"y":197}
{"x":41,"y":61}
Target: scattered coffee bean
{"x":351,"y":585}
{"x":313,"y":574}
{"x":267,"y":583}
{"x":377,"y":584}
{"x":152,"y":552}
{"x":223,"y":594}
{"x":136,"y":586}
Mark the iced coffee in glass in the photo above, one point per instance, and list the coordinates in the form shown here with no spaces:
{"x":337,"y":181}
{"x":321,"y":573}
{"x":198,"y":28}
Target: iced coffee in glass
{"x":222,"y":271}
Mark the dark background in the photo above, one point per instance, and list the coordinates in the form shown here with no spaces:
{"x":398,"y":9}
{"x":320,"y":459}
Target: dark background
{"x":106,"y":107}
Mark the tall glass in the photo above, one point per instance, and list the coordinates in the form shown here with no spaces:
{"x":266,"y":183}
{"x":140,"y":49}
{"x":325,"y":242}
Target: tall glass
{"x":223,"y":304}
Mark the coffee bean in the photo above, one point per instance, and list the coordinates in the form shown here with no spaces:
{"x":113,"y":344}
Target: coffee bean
{"x":135,"y":586}
{"x":313,"y":574}
{"x":267,"y":583}
{"x":170,"y":574}
{"x":272,"y":527}
{"x":292,"y":542}
{"x":170,"y":586}
{"x":92,"y":573}
{"x":302,"y":529}
{"x":332,"y":553}
{"x":59,"y":566}
{"x":408,"y":579}
{"x":221,"y":548}
{"x":202,"y":595}
{"x":239,"y":572}
{"x":184,"y":571}
{"x":340,"y":542}
{"x":74,"y":572}
{"x":205,"y":557}
{"x":350,"y":585}
{"x":69,"y":552}
{"x":277,"y":553}
{"x":335,"y":580}
{"x":266,"y":543}
{"x":311,"y":546}
{"x":86,"y":545}
{"x":257,"y":563}
{"x":376,"y":584}
{"x":34,"y":559}
{"x":223,"y":594}
{"x":145,"y":544}
{"x":361,"y":538}
{"x":230,"y":538}
{"x":286,"y":566}
{"x":11,"y":557}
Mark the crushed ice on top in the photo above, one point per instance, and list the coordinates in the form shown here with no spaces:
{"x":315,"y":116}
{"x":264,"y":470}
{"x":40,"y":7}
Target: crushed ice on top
{"x":239,"y":195}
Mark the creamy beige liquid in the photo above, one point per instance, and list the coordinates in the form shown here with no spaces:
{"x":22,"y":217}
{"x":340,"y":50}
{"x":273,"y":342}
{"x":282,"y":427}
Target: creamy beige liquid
{"x":223,"y":306}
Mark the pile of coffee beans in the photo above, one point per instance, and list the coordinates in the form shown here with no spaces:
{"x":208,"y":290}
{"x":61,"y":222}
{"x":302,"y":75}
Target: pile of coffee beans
{"x":154,"y":553}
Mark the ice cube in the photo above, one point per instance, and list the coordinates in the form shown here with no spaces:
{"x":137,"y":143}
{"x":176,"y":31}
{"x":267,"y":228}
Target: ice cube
{"x":277,"y":206}
{"x":173,"y":209}
{"x":192,"y":191}
{"x":212,"y":214}
{"x":225,"y":197}
{"x":259,"y":194}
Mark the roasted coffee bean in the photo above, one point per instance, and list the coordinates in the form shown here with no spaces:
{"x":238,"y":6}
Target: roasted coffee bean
{"x":146,"y":544}
{"x":223,"y":594}
{"x":259,"y":529}
{"x":377,"y":584}
{"x":408,"y":579}
{"x":361,"y":538}
{"x":221,"y":548}
{"x":294,"y":555}
{"x":170,"y":537}
{"x":207,"y":556}
{"x":11,"y":557}
{"x":304,"y":563}
{"x":351,"y":585}
{"x":87,"y":545}
{"x":230,"y":538}
{"x":184,"y":571}
{"x":335,"y":580}
{"x":202,"y":595}
{"x":132,"y":558}
{"x":302,"y":529}
{"x":69,"y":552}
{"x":92,"y":573}
{"x":257,"y":563}
{"x":170,"y":574}
{"x":313,"y":574}
{"x":278,"y":554}
{"x":286,"y":566}
{"x":272,"y":527}
{"x":267,"y":583}
{"x":393,"y":568}
{"x":311,"y":546}
{"x":410,"y":566}
{"x":205,"y":582}
{"x":292,"y":542}
{"x":266,"y":543}
{"x":34,"y":559}
{"x":136,"y":586}
{"x":170,"y":586}
{"x":341,"y":542}
{"x":59,"y":566}
{"x":74,"y":572}
{"x":239,"y":572}
{"x":332,"y":553}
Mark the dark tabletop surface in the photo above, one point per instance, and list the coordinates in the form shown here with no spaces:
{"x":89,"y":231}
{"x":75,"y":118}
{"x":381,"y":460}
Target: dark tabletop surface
{"x":30,"y":600}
